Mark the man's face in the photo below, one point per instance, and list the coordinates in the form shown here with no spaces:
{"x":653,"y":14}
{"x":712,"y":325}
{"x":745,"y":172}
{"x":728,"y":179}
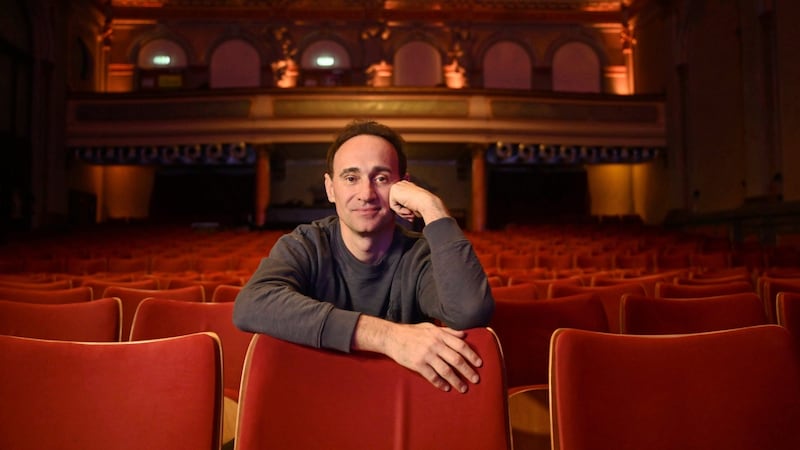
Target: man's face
{"x":364,"y":169}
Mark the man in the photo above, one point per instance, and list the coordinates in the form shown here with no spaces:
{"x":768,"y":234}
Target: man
{"x":357,"y":281}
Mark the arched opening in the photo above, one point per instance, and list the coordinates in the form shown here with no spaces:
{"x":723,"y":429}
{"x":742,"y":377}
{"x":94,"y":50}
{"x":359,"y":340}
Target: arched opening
{"x":235,"y":63}
{"x":506,"y":65}
{"x":325,"y":63}
{"x":161,"y":64}
{"x":576,"y":68}
{"x":417,"y":64}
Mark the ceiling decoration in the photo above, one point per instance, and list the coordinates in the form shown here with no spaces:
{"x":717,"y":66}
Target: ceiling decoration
{"x":580,"y":11}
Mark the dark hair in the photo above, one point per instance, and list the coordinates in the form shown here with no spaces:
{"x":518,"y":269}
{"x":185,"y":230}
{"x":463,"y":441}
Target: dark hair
{"x":370,"y":127}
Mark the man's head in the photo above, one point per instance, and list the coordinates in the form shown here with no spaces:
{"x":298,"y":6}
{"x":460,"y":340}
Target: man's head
{"x":359,"y":127}
{"x":363,"y":164}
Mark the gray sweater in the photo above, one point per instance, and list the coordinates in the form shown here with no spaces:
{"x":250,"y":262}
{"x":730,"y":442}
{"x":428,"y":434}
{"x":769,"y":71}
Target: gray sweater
{"x":310,"y":289}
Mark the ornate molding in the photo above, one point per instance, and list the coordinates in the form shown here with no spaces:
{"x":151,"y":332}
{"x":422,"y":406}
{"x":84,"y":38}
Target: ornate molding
{"x":504,"y":153}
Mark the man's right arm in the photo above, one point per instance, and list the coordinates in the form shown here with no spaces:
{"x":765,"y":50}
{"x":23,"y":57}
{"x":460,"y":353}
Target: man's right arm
{"x":439,"y":354}
{"x":276,"y":301}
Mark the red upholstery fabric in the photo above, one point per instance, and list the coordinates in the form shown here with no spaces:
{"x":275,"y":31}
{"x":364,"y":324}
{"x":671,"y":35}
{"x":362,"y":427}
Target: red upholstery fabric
{"x":647,"y":281}
{"x":496,"y":281}
{"x":670,"y":290}
{"x":543,"y":286}
{"x":648,"y":315}
{"x":296,"y":397}
{"x":161,"y":394}
{"x":554,"y":260}
{"x":133,"y":264}
{"x":211,"y":263}
{"x":718,"y":276}
{"x":769,"y":289}
{"x":601,"y":261}
{"x":717,"y":260}
{"x":249,"y":263}
{"x":609,"y":296}
{"x":159,"y":318}
{"x":208,"y":285}
{"x":679,"y":260}
{"x":523,"y":292}
{"x":733,"y":389}
{"x":99,"y":285}
{"x":524,"y":330}
{"x":132,"y":297}
{"x":41,"y":286}
{"x":225,"y":293}
{"x":72,"y":295}
{"x":86,"y":266}
{"x":171,"y":263}
{"x":788,"y":313}
{"x":644,"y":260}
{"x":98,"y":320}
{"x":512,"y":260}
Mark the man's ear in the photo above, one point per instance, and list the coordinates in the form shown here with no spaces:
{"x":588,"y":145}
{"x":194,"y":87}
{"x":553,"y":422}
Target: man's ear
{"x":329,"y":188}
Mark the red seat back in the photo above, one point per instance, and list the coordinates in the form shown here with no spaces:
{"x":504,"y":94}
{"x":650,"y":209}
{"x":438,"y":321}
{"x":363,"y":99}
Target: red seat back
{"x":525,"y":328}
{"x":156,"y":394}
{"x":296,"y":397}
{"x":732,"y":389}
{"x":97,"y":320}
{"x":648,"y":315}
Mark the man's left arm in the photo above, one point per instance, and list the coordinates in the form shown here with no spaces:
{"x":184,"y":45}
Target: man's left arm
{"x":461,"y":288}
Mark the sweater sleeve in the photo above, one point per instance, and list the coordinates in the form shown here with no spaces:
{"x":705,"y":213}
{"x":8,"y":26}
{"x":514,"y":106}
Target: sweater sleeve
{"x":277,"y":301}
{"x":456,"y":290}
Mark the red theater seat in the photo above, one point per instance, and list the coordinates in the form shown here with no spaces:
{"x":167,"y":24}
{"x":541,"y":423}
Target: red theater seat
{"x":72,"y":295}
{"x":131,"y":297}
{"x":97,"y":320}
{"x":648,"y":315}
{"x":67,"y":395}
{"x":158,"y":318}
{"x":295,"y":397}
{"x":524,"y":330}
{"x":731,"y":389}
{"x":671,"y":290}
{"x":609,"y":296}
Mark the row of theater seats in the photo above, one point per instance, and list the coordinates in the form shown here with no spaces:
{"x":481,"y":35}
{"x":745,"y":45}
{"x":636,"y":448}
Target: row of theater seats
{"x":138,"y":250}
{"x":123,"y":313}
{"x":682,"y":302}
{"x":648,"y":249}
{"x":524,"y":327}
{"x":603,"y":391}
{"x":174,"y":382}
{"x":537,"y":307}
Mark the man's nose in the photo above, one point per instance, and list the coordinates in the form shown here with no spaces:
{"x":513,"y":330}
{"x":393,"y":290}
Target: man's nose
{"x":366,"y":190}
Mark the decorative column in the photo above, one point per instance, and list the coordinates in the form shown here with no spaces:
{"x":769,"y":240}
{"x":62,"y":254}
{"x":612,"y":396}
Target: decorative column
{"x":615,"y":80}
{"x":285,"y":71}
{"x":478,"y":214}
{"x":380,"y":74}
{"x":262,"y":184}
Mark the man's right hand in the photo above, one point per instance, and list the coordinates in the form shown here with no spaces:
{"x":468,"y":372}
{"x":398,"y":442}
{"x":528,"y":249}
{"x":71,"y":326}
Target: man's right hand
{"x":439,"y":354}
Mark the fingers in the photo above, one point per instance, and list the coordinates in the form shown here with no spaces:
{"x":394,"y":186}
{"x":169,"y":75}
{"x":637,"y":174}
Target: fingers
{"x":439,"y":354}
{"x":409,"y":201}
{"x":405,"y":213}
{"x":455,"y":362}
{"x":402,"y":199}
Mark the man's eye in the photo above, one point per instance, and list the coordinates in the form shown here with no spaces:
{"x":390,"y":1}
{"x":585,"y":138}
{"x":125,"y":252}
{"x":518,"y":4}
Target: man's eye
{"x":350,"y":179}
{"x":381,"y":179}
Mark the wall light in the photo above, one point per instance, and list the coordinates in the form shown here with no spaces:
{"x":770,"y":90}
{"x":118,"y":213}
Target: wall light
{"x":162,"y":60}
{"x":325,"y":61}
